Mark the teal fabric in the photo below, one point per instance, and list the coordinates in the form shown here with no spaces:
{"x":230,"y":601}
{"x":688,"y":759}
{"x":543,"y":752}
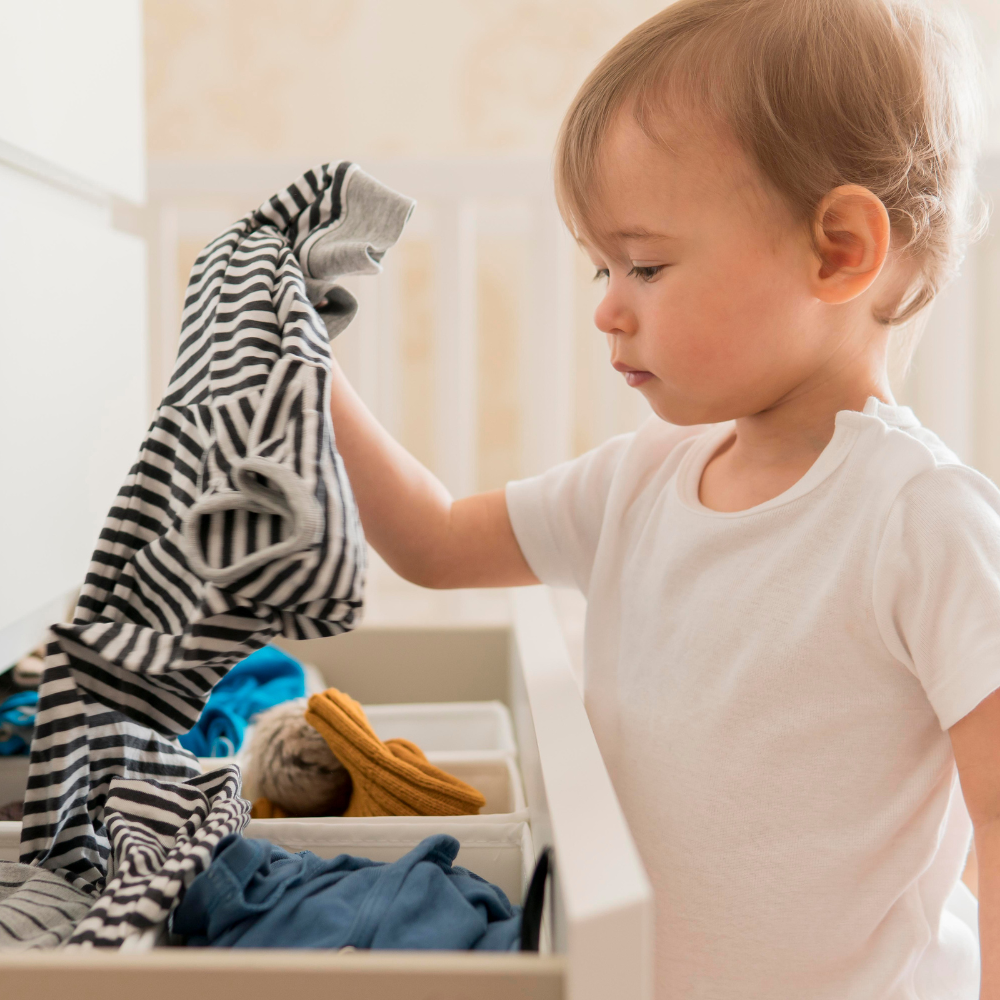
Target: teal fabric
{"x":256,"y":895}
{"x":17,"y":720}
{"x":265,"y":678}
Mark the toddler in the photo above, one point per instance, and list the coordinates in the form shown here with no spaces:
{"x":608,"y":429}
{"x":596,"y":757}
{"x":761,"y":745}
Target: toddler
{"x":793,"y":588}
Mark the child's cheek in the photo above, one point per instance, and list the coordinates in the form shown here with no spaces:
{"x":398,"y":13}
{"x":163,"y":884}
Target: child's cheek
{"x":707,"y":328}
{"x":716,"y":338}
{"x":693,"y":348}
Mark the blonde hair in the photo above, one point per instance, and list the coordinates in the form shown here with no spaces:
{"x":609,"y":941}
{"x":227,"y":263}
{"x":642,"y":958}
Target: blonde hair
{"x":817,"y":93}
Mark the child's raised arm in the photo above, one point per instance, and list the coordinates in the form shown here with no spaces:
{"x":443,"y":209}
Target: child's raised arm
{"x":410,"y":518}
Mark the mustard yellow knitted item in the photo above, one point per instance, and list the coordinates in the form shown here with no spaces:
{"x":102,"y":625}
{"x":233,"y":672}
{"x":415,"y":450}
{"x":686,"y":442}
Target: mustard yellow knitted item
{"x":392,"y":778}
{"x":264,"y":808}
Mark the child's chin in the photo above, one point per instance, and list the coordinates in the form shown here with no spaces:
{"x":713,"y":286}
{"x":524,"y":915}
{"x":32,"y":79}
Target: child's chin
{"x":680,"y":412}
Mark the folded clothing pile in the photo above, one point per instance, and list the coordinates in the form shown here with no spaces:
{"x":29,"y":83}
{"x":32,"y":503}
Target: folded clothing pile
{"x":391,"y":778}
{"x":27,"y":672}
{"x":256,"y":895}
{"x":265,"y":678}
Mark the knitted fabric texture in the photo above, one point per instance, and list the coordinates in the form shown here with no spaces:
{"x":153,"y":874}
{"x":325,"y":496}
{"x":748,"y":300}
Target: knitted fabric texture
{"x":392,"y":778}
{"x":264,"y":808}
{"x":235,"y":525}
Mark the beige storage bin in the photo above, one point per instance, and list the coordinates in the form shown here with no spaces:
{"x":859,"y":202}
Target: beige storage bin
{"x":10,"y":846}
{"x":13,"y":777}
{"x":495,"y":775}
{"x":501,"y":853}
{"x":443,"y":727}
{"x":600,"y":920}
{"x":472,"y":740}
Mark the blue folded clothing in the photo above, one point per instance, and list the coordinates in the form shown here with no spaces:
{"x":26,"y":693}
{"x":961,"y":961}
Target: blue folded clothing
{"x":265,"y":678}
{"x":256,"y":895}
{"x":17,"y":720}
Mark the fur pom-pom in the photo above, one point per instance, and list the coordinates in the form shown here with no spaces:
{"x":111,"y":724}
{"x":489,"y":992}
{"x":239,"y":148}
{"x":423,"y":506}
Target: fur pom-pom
{"x":292,"y":766}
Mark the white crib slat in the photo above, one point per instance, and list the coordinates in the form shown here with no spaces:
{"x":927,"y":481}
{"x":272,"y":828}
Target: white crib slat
{"x":546,"y":363}
{"x":455,"y":346}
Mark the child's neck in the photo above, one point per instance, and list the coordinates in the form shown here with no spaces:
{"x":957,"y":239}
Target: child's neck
{"x":772,"y":450}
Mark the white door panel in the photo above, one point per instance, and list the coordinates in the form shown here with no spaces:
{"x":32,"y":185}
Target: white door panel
{"x":71,"y":76}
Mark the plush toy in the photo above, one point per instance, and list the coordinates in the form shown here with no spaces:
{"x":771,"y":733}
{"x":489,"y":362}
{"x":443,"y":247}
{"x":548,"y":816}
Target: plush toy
{"x":292,"y":767}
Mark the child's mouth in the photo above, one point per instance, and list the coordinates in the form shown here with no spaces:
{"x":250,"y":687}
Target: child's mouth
{"x":633,"y":376}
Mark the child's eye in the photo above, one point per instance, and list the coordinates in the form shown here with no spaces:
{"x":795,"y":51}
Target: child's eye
{"x":602,"y":272}
{"x":646,"y":273}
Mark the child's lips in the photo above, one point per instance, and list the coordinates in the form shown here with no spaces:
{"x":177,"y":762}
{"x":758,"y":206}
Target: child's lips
{"x":633,"y":376}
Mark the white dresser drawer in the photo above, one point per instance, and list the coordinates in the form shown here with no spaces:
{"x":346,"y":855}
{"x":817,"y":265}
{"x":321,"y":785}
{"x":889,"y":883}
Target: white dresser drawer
{"x":599,"y":923}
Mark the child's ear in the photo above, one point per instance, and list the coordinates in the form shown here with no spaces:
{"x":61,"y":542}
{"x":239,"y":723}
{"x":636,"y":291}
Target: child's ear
{"x":851,"y":232}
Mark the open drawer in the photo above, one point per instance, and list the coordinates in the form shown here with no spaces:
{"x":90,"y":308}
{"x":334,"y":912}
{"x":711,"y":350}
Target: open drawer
{"x":600,"y":920}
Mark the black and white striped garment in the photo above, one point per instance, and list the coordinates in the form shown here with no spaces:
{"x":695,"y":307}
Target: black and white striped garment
{"x":235,"y":525}
{"x":162,"y":835}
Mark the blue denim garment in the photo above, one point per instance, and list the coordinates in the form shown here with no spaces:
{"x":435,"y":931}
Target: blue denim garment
{"x":265,"y":678}
{"x":256,"y":895}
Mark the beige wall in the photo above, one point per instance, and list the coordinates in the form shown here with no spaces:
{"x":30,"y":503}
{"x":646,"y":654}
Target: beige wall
{"x":309,"y":80}
{"x":238,"y":80}
{"x":370,"y":78}
{"x":376,"y":78}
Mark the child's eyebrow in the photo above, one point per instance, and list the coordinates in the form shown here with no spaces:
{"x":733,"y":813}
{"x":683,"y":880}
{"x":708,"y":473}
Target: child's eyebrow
{"x":641,"y":234}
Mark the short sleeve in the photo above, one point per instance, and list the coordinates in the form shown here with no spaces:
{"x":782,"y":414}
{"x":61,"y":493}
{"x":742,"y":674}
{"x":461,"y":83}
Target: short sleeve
{"x":557,"y":516}
{"x":937,"y":587}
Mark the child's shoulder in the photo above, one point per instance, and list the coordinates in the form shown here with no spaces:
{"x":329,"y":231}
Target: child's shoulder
{"x":903,"y":434}
{"x":924,"y":481}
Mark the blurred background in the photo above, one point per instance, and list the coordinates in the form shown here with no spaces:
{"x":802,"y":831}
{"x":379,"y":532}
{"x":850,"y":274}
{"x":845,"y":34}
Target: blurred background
{"x":132,"y":133}
{"x":454,"y":103}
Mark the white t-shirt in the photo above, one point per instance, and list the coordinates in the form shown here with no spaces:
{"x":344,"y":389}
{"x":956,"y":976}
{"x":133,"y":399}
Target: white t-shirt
{"x":771,"y":690}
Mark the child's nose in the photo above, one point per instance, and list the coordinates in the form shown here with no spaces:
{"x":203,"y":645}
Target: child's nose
{"x":613,"y":316}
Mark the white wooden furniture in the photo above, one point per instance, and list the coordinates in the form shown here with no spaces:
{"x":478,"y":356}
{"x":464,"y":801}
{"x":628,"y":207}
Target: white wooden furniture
{"x":73,"y":384}
{"x":601,"y":921}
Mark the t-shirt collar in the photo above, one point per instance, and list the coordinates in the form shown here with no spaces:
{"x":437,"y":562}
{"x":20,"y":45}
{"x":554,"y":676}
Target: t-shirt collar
{"x":849,"y":423}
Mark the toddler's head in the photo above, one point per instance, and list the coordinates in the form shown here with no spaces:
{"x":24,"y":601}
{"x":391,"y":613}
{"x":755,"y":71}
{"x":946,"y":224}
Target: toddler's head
{"x":769,"y":187}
